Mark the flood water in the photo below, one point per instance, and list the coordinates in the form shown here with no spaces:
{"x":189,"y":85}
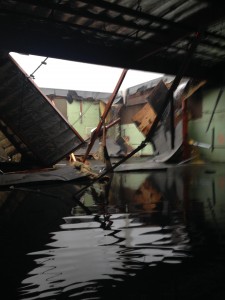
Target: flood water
{"x":142,"y":235}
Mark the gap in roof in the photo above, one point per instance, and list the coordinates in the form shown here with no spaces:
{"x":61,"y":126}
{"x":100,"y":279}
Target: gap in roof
{"x":71,"y":75}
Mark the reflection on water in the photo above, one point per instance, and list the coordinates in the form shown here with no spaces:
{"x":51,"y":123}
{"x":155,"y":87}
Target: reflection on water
{"x":141,"y":235}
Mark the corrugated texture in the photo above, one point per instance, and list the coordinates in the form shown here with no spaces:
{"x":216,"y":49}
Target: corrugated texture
{"x":135,"y":34}
{"x":28,"y":119}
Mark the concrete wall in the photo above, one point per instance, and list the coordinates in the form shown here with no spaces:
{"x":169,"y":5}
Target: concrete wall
{"x":197,"y":128}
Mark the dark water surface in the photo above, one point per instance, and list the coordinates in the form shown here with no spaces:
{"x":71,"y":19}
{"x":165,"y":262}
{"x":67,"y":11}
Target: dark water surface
{"x":144,"y":235}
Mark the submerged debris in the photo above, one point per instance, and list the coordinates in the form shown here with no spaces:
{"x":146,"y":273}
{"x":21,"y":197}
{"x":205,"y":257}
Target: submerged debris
{"x":84,"y":167}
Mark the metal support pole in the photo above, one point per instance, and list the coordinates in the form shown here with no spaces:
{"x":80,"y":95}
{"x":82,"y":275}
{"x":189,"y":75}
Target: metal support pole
{"x":159,"y":115}
{"x":105,"y":113}
{"x":172,"y":129}
{"x":215,"y":106}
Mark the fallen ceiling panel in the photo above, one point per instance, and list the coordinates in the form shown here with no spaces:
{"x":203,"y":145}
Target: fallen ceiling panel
{"x":29,"y":120}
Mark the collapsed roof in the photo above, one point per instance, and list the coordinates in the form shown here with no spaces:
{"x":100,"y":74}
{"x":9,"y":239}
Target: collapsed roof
{"x":78,"y":95}
{"x":149,"y":35}
{"x":29,"y":124}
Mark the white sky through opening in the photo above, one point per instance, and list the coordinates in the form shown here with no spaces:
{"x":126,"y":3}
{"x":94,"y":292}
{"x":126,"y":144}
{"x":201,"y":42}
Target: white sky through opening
{"x":70,"y":75}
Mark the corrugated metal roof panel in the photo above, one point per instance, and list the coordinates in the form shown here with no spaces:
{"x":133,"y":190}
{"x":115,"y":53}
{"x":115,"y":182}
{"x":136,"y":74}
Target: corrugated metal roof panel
{"x":41,"y":132}
{"x":144,"y":35}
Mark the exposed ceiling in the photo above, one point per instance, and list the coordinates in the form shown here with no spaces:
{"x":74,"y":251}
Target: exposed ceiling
{"x":151,"y":35}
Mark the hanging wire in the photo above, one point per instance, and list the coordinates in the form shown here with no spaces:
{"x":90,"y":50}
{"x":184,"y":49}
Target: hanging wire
{"x":53,"y":9}
{"x":42,"y":63}
{"x":139,"y":8}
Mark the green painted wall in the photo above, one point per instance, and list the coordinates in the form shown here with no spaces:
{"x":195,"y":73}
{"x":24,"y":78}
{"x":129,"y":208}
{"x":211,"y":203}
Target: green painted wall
{"x":89,"y":119}
{"x":197,"y":128}
{"x":135,"y":138}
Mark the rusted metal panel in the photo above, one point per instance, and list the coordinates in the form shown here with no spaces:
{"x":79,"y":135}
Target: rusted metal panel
{"x":145,"y":118}
{"x":138,"y":98}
